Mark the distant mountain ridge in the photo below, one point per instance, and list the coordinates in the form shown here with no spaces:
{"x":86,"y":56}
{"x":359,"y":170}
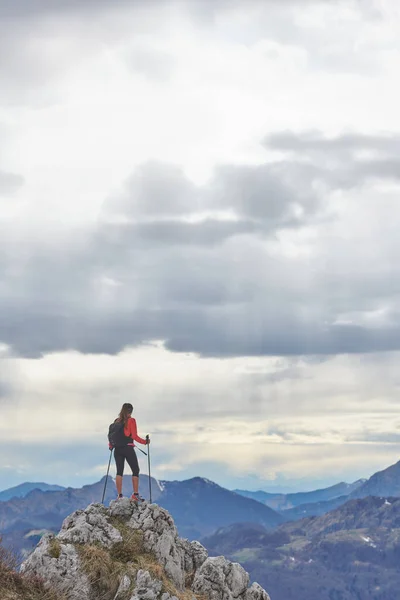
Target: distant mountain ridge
{"x":385,"y":483}
{"x":283,"y":502}
{"x":21,"y":490}
{"x":200,"y":506}
{"x":313,"y":509}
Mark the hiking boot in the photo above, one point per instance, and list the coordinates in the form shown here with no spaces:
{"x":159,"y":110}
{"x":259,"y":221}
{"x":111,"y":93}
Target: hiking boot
{"x":137,"y":498}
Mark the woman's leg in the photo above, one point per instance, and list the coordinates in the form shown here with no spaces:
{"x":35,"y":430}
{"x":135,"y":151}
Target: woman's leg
{"x":119,"y":462}
{"x":134,"y":465}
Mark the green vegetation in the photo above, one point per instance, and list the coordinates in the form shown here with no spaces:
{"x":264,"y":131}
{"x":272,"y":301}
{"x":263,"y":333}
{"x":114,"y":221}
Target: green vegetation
{"x":54,"y":548}
{"x":245,"y":554}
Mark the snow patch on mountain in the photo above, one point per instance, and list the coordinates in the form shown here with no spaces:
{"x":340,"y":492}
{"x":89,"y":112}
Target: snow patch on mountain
{"x":160,"y":484}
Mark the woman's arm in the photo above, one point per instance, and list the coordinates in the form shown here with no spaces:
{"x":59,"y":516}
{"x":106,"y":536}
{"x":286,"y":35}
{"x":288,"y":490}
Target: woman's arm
{"x":134,"y":433}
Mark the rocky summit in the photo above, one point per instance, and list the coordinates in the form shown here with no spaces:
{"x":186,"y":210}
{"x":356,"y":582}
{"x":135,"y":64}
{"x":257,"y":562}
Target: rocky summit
{"x":133,"y":552}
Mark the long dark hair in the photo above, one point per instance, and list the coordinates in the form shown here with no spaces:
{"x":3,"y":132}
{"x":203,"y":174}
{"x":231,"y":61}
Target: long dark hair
{"x":125,"y":413}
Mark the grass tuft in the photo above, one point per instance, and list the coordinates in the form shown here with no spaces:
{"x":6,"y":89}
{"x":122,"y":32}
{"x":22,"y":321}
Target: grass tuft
{"x":103,"y":572}
{"x":54,"y":548}
{"x":129,"y":556}
{"x":130,"y":549}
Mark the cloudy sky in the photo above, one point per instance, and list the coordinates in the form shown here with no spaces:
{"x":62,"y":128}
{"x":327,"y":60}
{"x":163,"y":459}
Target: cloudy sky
{"x":199,"y":214}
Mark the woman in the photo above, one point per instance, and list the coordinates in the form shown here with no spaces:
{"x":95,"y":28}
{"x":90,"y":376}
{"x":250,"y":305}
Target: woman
{"x":127,"y":451}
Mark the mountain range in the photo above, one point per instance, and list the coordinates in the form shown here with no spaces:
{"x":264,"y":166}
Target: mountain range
{"x":351,"y":553}
{"x":198,"y":505}
{"x":283,"y":502}
{"x":318,"y":502}
{"x":20,"y":491}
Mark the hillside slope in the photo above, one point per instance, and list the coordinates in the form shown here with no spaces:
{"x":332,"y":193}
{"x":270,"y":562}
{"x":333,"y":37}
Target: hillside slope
{"x":351,"y":553}
{"x":383,"y":483}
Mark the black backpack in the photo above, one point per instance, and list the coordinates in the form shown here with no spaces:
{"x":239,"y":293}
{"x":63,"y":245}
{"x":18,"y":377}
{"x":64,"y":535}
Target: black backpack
{"x":116,"y":435}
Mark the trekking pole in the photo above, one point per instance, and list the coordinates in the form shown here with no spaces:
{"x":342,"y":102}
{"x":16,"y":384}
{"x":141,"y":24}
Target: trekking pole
{"x":148,"y":461}
{"x":105,"y":483}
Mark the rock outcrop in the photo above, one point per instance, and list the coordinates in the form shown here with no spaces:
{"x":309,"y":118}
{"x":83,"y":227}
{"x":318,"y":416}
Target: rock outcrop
{"x":130,"y":552}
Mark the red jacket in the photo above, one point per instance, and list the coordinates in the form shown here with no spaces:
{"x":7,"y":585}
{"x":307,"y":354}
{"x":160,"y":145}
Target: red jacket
{"x":131,"y":431}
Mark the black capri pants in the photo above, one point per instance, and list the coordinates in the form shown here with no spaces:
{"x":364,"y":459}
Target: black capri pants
{"x":122,"y":453}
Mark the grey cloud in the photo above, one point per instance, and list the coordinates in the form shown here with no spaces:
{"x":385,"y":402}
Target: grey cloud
{"x":155,"y":189}
{"x":316,"y":142}
{"x":366,"y":170}
{"x":208,"y":232}
{"x":372,"y":437}
{"x":344,"y":161}
{"x":221,"y":331}
{"x":280,"y":337}
{"x":210,"y":286}
{"x":270,"y":194}
{"x":255,"y":192}
{"x":28,"y":8}
{"x":21,"y":8}
{"x":276,"y":194}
